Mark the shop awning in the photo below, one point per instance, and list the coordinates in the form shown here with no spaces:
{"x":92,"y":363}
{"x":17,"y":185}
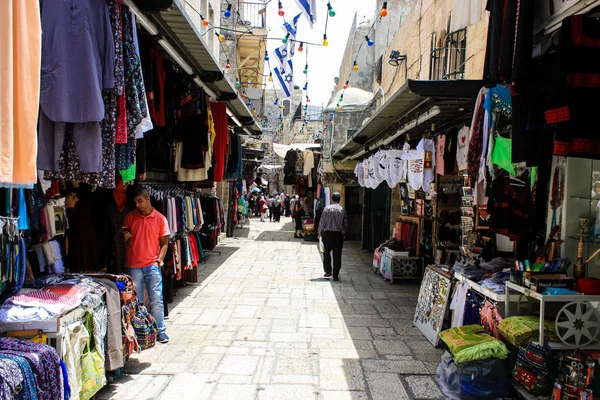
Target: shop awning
{"x":412,"y":110}
{"x":282,"y":149}
{"x":176,"y":24}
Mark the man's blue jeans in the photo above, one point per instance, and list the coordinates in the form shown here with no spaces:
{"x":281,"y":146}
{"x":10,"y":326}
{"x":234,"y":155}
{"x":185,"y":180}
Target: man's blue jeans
{"x":151,"y":277}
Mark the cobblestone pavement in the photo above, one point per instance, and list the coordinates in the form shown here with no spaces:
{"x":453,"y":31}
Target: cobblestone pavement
{"x":262,"y":323}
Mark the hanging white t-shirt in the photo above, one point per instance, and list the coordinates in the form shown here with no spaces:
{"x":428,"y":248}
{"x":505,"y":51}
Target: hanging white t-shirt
{"x":383,"y":170}
{"x":396,"y":168}
{"x":428,"y":146}
{"x":415,"y":167}
{"x":375,"y":158}
{"x":366,"y":173}
{"x":462,"y":148}
{"x":360,"y":174}
{"x":458,"y":304}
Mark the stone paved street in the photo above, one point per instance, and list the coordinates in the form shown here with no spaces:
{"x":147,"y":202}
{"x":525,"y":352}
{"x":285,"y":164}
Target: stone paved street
{"x":262,"y":323}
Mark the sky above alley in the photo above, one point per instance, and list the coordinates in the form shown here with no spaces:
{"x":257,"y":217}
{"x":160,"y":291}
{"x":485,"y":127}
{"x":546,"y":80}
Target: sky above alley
{"x":324,"y":62}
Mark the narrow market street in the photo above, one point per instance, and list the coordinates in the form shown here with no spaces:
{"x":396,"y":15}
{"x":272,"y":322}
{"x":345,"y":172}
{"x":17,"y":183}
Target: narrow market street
{"x":263,"y":323}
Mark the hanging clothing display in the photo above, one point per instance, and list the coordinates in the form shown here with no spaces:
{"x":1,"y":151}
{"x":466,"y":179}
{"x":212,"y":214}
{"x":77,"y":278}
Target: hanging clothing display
{"x":510,"y":207}
{"x":85,"y":36}
{"x":570,"y":107}
{"x":415,"y":168}
{"x":457,"y":305}
{"x":428,"y":147}
{"x":219,"y":113}
{"x":462,"y":149}
{"x":440,"y":148}
{"x":20,"y":50}
{"x":309,"y":161}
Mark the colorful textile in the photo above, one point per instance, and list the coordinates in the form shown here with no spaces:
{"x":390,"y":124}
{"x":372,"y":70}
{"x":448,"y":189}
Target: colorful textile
{"x":522,"y":330}
{"x":44,"y":363}
{"x":470,"y":343}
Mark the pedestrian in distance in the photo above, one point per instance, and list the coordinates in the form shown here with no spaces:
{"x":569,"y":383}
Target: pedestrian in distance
{"x":332,"y":228}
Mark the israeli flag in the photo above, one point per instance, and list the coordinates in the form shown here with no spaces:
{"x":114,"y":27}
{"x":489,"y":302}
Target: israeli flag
{"x":292,"y":28}
{"x":286,"y":78}
{"x":282,"y":53}
{"x":309,"y":9}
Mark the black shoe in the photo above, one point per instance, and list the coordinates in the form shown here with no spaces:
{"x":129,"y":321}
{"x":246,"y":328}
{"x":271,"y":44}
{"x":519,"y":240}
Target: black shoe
{"x":336,"y":278}
{"x":327,"y":275}
{"x":295,"y":236}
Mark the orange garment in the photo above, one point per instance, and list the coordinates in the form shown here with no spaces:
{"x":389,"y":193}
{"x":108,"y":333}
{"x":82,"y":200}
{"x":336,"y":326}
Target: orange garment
{"x":143,"y":247}
{"x":20,"y":61}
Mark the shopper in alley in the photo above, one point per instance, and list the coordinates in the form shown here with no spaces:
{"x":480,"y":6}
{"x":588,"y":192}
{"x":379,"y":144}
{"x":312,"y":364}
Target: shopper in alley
{"x":146,"y":233}
{"x":332,"y":228}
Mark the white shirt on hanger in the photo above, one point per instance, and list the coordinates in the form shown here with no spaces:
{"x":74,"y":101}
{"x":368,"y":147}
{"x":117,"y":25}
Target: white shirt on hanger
{"x":428,"y":146}
{"x":415,"y":167}
{"x":462,"y":148}
{"x":396,"y":168}
{"x":360,"y":173}
{"x":458,"y":304}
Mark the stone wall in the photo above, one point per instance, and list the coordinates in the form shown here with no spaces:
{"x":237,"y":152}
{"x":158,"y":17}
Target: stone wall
{"x":413,"y":39}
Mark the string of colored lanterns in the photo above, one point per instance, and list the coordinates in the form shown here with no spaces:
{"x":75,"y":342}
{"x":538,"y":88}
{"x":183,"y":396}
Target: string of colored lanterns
{"x":382,"y":14}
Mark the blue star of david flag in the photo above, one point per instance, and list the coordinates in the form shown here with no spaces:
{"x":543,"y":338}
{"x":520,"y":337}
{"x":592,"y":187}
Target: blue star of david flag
{"x":309,"y":9}
{"x":286,"y":78}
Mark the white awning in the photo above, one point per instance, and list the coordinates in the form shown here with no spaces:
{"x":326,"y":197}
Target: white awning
{"x":271,"y":166}
{"x":282,"y":149}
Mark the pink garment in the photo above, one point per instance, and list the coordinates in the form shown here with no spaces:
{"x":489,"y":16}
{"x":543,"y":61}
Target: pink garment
{"x":490,"y":318}
{"x":440,"y":146}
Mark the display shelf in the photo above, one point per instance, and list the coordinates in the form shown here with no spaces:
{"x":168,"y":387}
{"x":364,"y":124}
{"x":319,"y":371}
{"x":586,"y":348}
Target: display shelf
{"x":586,"y":239}
{"x":543,"y":299}
{"x":497,"y":297}
{"x":523,"y":393}
{"x":585,"y":198}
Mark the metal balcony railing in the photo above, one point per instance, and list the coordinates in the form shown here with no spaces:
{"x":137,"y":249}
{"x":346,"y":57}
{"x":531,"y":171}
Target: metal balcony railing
{"x":253,"y":14}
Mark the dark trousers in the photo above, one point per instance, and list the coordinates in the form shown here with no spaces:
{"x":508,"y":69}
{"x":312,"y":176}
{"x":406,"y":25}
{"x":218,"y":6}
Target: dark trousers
{"x":332,"y":241}
{"x":277,"y":213}
{"x":270,"y":213}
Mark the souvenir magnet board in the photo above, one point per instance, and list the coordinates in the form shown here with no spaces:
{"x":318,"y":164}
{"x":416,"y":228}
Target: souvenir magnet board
{"x":432,"y":304}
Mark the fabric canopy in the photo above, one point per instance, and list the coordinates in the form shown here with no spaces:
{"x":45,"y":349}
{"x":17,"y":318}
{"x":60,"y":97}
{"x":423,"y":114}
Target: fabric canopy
{"x":271,"y":166}
{"x":282,"y":149}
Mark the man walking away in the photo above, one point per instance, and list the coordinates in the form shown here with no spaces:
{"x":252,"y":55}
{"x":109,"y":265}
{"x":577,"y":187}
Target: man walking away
{"x":332,"y":228}
{"x":146,"y":233}
{"x":271,"y":206}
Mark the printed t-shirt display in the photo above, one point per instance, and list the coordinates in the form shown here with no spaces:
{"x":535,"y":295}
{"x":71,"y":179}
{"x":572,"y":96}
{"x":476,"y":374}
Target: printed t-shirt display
{"x":440,"y":147}
{"x":360,"y":173}
{"x":415,"y":167}
{"x":143,"y":246}
{"x":397,"y":168}
{"x":428,"y":147}
{"x":462,"y":148}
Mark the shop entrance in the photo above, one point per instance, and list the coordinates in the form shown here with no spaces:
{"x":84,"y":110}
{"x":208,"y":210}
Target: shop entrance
{"x":376,"y":216}
{"x":353,"y":206}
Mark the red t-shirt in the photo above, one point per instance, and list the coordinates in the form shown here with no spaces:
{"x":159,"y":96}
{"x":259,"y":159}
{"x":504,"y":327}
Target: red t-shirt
{"x":143,"y":247}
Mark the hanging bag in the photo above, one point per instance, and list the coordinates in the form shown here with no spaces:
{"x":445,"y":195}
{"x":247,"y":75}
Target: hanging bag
{"x":145,"y":328}
{"x":92,"y":365}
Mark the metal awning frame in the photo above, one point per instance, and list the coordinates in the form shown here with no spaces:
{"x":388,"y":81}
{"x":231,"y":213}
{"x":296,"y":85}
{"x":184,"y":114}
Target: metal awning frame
{"x":410,"y":112}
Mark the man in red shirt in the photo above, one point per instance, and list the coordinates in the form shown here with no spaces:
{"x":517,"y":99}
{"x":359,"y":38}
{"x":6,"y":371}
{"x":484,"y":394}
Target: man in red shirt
{"x":146,"y":233}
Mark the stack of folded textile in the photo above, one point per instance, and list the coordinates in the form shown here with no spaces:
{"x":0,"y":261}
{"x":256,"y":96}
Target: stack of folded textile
{"x":475,"y":369}
{"x":522,"y":330}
